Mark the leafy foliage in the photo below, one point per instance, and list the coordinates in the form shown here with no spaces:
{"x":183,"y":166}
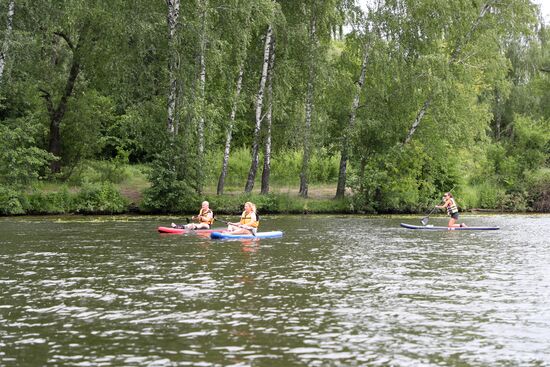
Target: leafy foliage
{"x":21,"y":161}
{"x":99,"y":70}
{"x":99,"y":199}
{"x":11,"y":202}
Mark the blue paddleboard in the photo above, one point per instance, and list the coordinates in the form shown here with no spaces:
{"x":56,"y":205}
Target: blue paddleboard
{"x":227,"y":235}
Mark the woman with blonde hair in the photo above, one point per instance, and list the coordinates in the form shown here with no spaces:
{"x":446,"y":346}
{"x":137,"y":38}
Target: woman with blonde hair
{"x":249,"y":221}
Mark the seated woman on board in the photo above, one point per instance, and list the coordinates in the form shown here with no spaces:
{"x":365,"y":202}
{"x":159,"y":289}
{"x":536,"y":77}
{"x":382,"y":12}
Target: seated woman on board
{"x":249,"y":221}
{"x":205,"y":218}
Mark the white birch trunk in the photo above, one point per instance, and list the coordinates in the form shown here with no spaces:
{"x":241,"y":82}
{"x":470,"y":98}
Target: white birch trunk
{"x":304,"y":173}
{"x":236,"y":97}
{"x":202,"y":84}
{"x":259,"y":107}
{"x":341,"y":187}
{"x":229,"y":133}
{"x":172,"y":19}
{"x":7,"y":38}
{"x":266,"y":172}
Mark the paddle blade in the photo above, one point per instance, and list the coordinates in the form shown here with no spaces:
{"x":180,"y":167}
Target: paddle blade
{"x":425,"y":220}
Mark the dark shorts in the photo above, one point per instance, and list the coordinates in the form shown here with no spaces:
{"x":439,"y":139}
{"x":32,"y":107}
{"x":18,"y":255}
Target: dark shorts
{"x":454,"y":216}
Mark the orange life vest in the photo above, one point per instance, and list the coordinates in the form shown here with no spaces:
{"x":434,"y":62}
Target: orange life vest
{"x":249,"y":220}
{"x":204,"y":215}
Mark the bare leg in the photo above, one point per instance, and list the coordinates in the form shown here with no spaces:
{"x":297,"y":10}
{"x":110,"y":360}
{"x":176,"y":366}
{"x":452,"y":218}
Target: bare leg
{"x":452,"y":223}
{"x":201,"y":226}
{"x":241,"y":230}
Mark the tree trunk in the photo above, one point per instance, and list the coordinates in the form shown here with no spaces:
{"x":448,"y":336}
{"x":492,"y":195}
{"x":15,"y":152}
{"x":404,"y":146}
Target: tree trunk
{"x":267,"y":152}
{"x":7,"y":38}
{"x":56,"y":113}
{"x":172,"y":19}
{"x":453,"y":58}
{"x":497,"y":115}
{"x":202,"y":94}
{"x":229,"y":133}
{"x":259,"y":105}
{"x":418,"y":119}
{"x":341,"y":186}
{"x":362,"y":168}
{"x":304,"y":173}
{"x":202,"y":82}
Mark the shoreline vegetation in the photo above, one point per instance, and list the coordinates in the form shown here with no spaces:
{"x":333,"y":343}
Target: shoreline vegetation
{"x":126,"y":190}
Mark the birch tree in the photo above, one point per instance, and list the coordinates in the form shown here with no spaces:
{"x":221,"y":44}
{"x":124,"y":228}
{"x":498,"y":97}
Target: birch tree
{"x":201,"y":108}
{"x":229,"y":131}
{"x":172,"y":20}
{"x":202,"y":81}
{"x":309,"y":105}
{"x":258,"y":114}
{"x":453,"y":58}
{"x":266,"y":172}
{"x":344,"y":152}
{"x":7,"y":38}
{"x":243,"y":40}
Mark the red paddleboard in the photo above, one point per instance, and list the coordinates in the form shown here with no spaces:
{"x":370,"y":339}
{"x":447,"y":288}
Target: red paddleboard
{"x":184,"y":230}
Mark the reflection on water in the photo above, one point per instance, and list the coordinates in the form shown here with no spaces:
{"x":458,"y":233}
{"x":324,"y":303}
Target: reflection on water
{"x":334,"y":291}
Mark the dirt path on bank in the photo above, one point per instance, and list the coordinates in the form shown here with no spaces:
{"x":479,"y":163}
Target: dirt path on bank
{"x":325,"y":192}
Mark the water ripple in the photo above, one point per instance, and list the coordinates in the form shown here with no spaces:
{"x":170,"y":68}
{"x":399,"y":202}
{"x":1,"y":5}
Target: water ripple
{"x":334,"y":291}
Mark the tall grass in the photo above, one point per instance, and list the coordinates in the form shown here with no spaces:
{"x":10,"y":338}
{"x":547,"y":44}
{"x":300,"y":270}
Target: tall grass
{"x":285,"y":168}
{"x":485,"y":195}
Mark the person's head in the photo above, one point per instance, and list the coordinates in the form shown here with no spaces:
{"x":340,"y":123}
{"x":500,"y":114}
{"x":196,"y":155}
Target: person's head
{"x":447,"y":195}
{"x":249,"y":207}
{"x":205,"y":205}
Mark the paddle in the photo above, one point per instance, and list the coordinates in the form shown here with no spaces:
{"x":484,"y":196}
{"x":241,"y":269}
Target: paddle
{"x":427,"y":217}
{"x":237,"y":225}
{"x":181,"y":226}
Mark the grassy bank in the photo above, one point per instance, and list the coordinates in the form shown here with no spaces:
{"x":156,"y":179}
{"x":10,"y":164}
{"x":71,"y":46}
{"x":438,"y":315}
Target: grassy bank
{"x":110,"y":188}
{"x":96,"y":193}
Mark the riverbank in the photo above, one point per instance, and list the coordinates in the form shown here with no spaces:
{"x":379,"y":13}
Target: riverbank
{"x":106,"y":199}
{"x":101,"y":194}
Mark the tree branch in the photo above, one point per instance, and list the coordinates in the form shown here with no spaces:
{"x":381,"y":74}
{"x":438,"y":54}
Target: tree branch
{"x":48,"y":98}
{"x":66,"y":38}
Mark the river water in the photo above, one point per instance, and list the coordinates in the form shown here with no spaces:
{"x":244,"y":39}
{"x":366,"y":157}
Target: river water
{"x":334,"y":291}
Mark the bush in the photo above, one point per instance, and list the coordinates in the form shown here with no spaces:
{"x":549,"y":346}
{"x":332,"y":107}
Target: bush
{"x":11,"y":202}
{"x":99,"y":199}
{"x":515,"y":201}
{"x":113,"y":170}
{"x":538,"y":183}
{"x":489,"y":195}
{"x":402,"y":180}
{"x":169,"y":193}
{"x":20,"y":160}
{"x":50,"y":202}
